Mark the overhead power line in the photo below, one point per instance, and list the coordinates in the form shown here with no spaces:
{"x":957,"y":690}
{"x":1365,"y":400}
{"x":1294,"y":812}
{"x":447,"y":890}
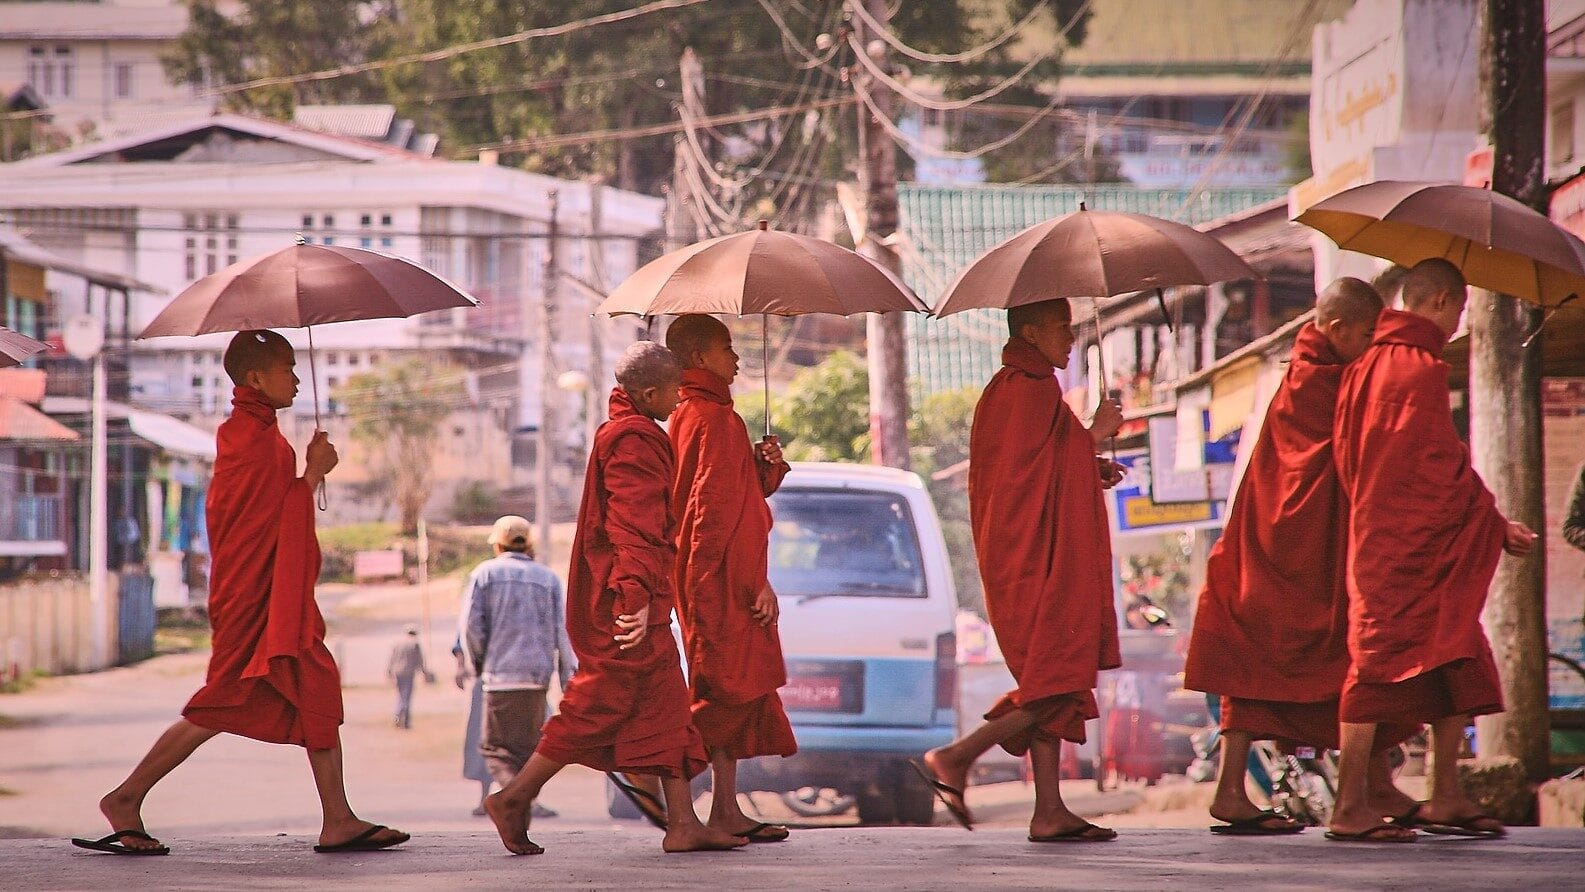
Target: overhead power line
{"x":897,"y":44}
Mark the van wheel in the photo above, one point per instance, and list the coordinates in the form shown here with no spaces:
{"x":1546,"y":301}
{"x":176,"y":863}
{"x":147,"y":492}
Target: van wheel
{"x":913,"y":800}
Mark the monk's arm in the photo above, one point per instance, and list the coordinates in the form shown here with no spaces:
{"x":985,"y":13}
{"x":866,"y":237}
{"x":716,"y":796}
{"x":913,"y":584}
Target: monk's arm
{"x":637,"y":490}
{"x":1574,"y":520}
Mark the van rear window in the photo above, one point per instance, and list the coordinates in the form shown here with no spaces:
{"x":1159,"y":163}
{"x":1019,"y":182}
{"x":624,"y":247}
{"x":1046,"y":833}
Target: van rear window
{"x":844,"y":543}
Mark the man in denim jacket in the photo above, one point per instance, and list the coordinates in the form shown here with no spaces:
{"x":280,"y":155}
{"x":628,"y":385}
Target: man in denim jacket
{"x":514,"y":636}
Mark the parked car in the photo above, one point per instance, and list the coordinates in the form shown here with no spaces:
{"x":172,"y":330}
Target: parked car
{"x":867,"y":610}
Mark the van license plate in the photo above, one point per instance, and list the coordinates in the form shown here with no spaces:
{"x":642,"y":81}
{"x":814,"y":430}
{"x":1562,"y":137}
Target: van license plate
{"x":815,"y":692}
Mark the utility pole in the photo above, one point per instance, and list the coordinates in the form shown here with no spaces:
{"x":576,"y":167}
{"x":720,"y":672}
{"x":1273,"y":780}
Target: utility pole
{"x":884,"y":333}
{"x":594,"y":394}
{"x":547,"y":377}
{"x":1505,"y":389}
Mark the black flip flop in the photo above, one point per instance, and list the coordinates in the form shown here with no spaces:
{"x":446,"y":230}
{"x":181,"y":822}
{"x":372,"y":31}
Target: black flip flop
{"x":949,"y":795}
{"x":110,"y":844}
{"x":1077,"y":834}
{"x":1373,"y":835}
{"x":1464,"y":827}
{"x":365,"y":842}
{"x":647,"y":805}
{"x":1411,"y":818}
{"x":766,"y":833}
{"x":1258,"y":825}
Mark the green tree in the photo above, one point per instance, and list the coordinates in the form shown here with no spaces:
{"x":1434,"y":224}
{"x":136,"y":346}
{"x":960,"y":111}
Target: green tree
{"x":939,"y":430}
{"x":396,"y":411}
{"x":824,"y":415}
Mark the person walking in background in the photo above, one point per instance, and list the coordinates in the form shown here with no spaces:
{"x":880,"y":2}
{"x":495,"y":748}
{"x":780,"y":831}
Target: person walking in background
{"x":514,"y":638}
{"x":407,"y":661}
{"x":473,"y":767}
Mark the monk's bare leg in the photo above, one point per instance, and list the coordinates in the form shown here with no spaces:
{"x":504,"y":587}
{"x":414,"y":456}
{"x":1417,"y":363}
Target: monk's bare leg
{"x":1448,"y":803}
{"x":951,"y":763}
{"x":725,"y":812}
{"x":1352,"y":814}
{"x":338,"y":823}
{"x":1380,"y":790}
{"x":123,"y":806}
{"x":1232,"y":802}
{"x":684,"y":831}
{"x":509,"y":807}
{"x":1052,"y":815}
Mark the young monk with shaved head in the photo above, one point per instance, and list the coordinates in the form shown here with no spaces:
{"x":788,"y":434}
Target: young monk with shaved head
{"x":1043,"y":542}
{"x":1424,"y":540}
{"x":1270,"y":633}
{"x":626,"y":709}
{"x":270,"y":676}
{"x":724,"y":599}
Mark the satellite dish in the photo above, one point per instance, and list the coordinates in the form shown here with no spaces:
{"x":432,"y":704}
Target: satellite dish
{"x":83,"y":336}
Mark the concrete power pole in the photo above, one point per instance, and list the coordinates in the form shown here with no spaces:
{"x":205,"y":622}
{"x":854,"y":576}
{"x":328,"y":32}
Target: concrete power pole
{"x":885,"y":335}
{"x":595,"y":393}
{"x":547,"y":378}
{"x":1505,"y":389}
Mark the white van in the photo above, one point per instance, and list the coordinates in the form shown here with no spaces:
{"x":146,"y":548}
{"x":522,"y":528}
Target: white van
{"x":867,"y":628}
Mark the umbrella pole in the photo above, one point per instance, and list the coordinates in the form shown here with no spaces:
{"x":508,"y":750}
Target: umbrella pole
{"x":764,"y":364}
{"x":1100,"y":367}
{"x":313,"y":381}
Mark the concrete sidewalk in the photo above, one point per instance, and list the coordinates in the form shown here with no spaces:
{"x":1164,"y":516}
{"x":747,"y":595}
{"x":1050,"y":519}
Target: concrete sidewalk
{"x":890,"y":858}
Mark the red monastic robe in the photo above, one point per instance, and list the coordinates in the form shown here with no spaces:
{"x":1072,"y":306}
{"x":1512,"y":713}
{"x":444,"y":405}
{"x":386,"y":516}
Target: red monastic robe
{"x":735,"y":665}
{"x":1044,"y":545}
{"x":625,"y":710}
{"x":270,"y":676}
{"x":1271,"y":631}
{"x":1425,"y":536}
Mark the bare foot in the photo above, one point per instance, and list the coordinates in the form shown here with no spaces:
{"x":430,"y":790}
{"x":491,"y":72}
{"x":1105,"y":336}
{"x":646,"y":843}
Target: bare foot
{"x":699,"y":838}
{"x":124,"y":813}
{"x":511,"y":821}
{"x":1355,"y":821}
{"x":951,"y":773}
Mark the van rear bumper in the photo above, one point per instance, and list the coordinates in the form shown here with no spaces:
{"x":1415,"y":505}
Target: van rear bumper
{"x":846,"y":758}
{"x":872,"y":740}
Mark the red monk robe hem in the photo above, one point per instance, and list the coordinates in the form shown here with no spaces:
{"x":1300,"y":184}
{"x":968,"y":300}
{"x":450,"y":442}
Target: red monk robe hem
{"x":1272,"y":620}
{"x":1044,"y":546}
{"x":1425,"y":535}
{"x":1292,"y":725}
{"x":735,"y":664}
{"x":625,"y":710}
{"x":270,"y":676}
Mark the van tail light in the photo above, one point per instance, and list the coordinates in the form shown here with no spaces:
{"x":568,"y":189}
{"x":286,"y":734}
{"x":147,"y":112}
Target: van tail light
{"x":947,"y":670}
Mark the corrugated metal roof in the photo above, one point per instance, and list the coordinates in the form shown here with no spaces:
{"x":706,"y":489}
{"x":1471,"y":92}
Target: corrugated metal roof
{"x":947,"y":227}
{"x":364,"y":121}
{"x":1161,"y":34}
{"x":20,"y":421}
{"x":14,"y":245}
{"x":26,"y":385}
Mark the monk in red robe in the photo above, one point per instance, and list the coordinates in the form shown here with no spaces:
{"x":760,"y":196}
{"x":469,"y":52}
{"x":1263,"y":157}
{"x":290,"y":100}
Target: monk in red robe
{"x":270,"y":676}
{"x":1044,"y":547}
{"x":725,"y":602}
{"x":1270,"y":633}
{"x":1424,"y":539}
{"x":626,"y":709}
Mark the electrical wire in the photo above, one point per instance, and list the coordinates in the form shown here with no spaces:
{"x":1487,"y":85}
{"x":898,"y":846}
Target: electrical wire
{"x":896,"y":43}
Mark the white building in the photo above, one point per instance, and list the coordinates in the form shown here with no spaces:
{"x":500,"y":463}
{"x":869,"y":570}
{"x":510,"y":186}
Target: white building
{"x":97,"y":64}
{"x":173,"y":204}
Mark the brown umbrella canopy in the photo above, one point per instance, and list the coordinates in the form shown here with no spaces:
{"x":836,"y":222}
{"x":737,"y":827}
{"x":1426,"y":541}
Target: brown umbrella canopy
{"x":1499,"y":243}
{"x":1091,"y":254}
{"x":761,"y":271}
{"x":16,"y":348}
{"x":305,"y":285}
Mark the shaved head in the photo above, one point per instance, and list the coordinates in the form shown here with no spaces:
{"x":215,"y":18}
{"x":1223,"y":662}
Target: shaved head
{"x":647,"y":364}
{"x":1348,"y":300}
{"x":696,"y":333}
{"x":1038,"y":314}
{"x":1428,"y":279}
{"x":254,"y":351}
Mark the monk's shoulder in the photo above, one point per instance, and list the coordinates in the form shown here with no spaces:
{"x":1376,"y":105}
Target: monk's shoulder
{"x":1410,"y":376}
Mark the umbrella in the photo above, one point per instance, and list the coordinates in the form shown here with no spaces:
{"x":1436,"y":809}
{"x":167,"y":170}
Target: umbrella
{"x":303,"y":286}
{"x":1095,"y":254}
{"x":1498,"y":243}
{"x":766,"y":272}
{"x":16,"y":348}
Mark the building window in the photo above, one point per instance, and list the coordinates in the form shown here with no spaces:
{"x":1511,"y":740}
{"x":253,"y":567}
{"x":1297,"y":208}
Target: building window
{"x":386,"y":242}
{"x":123,"y":80}
{"x":1561,"y":143}
{"x":52,"y":71}
{"x":385,"y":219}
{"x":202,"y":251}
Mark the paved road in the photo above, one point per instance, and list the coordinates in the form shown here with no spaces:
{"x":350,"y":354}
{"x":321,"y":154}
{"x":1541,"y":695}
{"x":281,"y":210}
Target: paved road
{"x":891,"y":858}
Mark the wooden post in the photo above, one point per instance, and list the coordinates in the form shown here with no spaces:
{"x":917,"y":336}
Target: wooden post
{"x":1505,"y":389}
{"x":885,"y":336}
